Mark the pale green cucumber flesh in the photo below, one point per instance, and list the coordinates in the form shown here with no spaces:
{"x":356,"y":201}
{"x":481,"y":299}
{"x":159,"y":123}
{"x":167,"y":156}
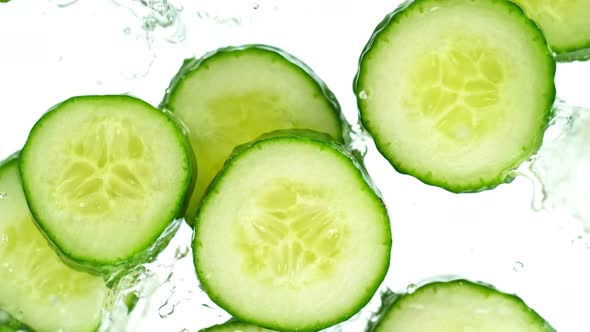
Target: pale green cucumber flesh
{"x":460,"y":305}
{"x":456,"y":93}
{"x":293,"y":217}
{"x":105,"y":176}
{"x":36,"y":287}
{"x":235,"y":94}
{"x":564,"y":23}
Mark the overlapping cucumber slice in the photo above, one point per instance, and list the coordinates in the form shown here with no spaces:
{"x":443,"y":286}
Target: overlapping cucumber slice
{"x":235,"y":94}
{"x":292,"y":235}
{"x":460,"y":305}
{"x":105,"y":176}
{"x":36,"y":287}
{"x":565,"y":25}
{"x":456,"y":93}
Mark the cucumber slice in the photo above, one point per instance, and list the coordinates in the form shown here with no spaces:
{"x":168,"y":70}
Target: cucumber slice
{"x":565,"y":23}
{"x":235,"y":326}
{"x":104,"y":177}
{"x":293,"y":218}
{"x":456,"y":93}
{"x":235,"y":94}
{"x":460,"y":305}
{"x":35,"y":285}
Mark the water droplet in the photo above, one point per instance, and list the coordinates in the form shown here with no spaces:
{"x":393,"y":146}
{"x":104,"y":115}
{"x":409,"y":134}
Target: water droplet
{"x":3,"y":195}
{"x":181,"y":251}
{"x":4,"y":238}
{"x":127,"y":31}
{"x":363,"y":95}
{"x":411,"y":288}
{"x":255,"y":6}
{"x":517,"y":266}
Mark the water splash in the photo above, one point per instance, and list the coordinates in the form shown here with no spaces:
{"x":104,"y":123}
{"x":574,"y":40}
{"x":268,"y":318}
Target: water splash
{"x":157,"y":20}
{"x":181,"y":252}
{"x":386,"y":299}
{"x":562,"y":165}
{"x":358,"y":140}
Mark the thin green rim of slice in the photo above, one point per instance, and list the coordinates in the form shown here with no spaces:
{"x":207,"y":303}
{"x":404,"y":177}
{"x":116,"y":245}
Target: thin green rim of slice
{"x":235,"y":326}
{"x":462,"y":304}
{"x":234,"y":94}
{"x":142,"y":164}
{"x":565,"y":24}
{"x":461,"y":127}
{"x":36,"y":286}
{"x":373,"y":233}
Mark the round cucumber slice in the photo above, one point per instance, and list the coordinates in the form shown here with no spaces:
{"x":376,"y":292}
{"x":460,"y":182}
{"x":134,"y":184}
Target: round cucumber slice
{"x":105,"y":176}
{"x":294,"y":218}
{"x":565,"y":24}
{"x":235,"y":94}
{"x":235,"y":326}
{"x":35,"y":285}
{"x":456,"y":93}
{"x":460,"y":305}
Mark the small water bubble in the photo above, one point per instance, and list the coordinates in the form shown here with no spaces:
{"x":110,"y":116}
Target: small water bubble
{"x":3,"y":195}
{"x":181,"y":251}
{"x":63,"y":3}
{"x":411,"y":288}
{"x":255,"y":6}
{"x":517,"y":266}
{"x":53,"y":299}
{"x":166,"y":310}
{"x":207,"y":306}
{"x":127,"y":31}
{"x":60,"y":58}
{"x":4,"y":238}
{"x":363,"y":95}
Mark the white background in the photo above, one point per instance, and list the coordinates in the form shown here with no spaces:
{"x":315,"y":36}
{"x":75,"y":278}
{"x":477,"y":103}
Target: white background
{"x":50,"y":51}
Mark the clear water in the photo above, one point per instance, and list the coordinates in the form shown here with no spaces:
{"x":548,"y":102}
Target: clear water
{"x":528,"y":237}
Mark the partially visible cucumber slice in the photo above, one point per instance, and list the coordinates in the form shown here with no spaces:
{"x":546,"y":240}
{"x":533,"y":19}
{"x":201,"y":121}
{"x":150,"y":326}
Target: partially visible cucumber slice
{"x":235,"y":94}
{"x":35,"y":285}
{"x":291,"y":235}
{"x":104,"y":177}
{"x":235,"y":326}
{"x":460,"y":305}
{"x":456,"y":92}
{"x":566,"y":24}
